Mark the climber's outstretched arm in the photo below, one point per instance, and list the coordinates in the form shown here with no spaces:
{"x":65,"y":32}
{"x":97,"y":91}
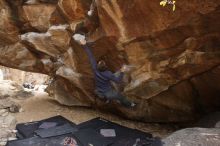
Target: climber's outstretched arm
{"x":91,"y":56}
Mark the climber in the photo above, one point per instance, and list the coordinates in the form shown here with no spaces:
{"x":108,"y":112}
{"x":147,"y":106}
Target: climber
{"x":103,"y":77}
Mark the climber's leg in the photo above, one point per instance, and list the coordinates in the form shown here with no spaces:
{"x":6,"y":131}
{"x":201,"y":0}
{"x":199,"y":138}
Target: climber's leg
{"x":114,"y":95}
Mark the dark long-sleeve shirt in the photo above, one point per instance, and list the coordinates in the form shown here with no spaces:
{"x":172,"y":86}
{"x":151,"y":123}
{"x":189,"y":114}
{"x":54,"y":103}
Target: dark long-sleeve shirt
{"x":102,"y":79}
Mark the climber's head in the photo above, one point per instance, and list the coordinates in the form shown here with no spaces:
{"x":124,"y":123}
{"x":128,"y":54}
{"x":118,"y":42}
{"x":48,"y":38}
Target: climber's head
{"x":101,"y":66}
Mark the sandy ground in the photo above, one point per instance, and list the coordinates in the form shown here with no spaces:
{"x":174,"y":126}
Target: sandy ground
{"x":41,"y":106}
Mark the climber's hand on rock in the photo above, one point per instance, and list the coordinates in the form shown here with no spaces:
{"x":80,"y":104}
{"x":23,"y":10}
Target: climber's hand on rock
{"x":123,"y":69}
{"x":82,"y":42}
{"x":80,"y":38}
{"x":90,"y":12}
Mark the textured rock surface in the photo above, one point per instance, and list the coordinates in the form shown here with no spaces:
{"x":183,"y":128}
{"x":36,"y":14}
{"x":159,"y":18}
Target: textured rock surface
{"x":8,"y":89}
{"x":194,"y":136}
{"x":12,"y":89}
{"x":21,"y":77}
{"x":176,"y":54}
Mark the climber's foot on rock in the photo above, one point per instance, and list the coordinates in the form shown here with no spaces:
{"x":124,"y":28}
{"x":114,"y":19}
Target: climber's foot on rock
{"x":107,"y":101}
{"x":133,"y":105}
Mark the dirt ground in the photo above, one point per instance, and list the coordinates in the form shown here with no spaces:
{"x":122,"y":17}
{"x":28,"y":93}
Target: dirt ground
{"x":41,"y":106}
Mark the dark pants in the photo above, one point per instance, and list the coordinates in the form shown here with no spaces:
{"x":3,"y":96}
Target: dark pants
{"x":114,"y":95}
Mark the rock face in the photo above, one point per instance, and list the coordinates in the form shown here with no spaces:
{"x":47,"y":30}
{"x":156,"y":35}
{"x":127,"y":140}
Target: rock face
{"x":21,"y":77}
{"x":194,"y":136}
{"x":11,"y":89}
{"x":8,"y":91}
{"x":175,"y":55}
